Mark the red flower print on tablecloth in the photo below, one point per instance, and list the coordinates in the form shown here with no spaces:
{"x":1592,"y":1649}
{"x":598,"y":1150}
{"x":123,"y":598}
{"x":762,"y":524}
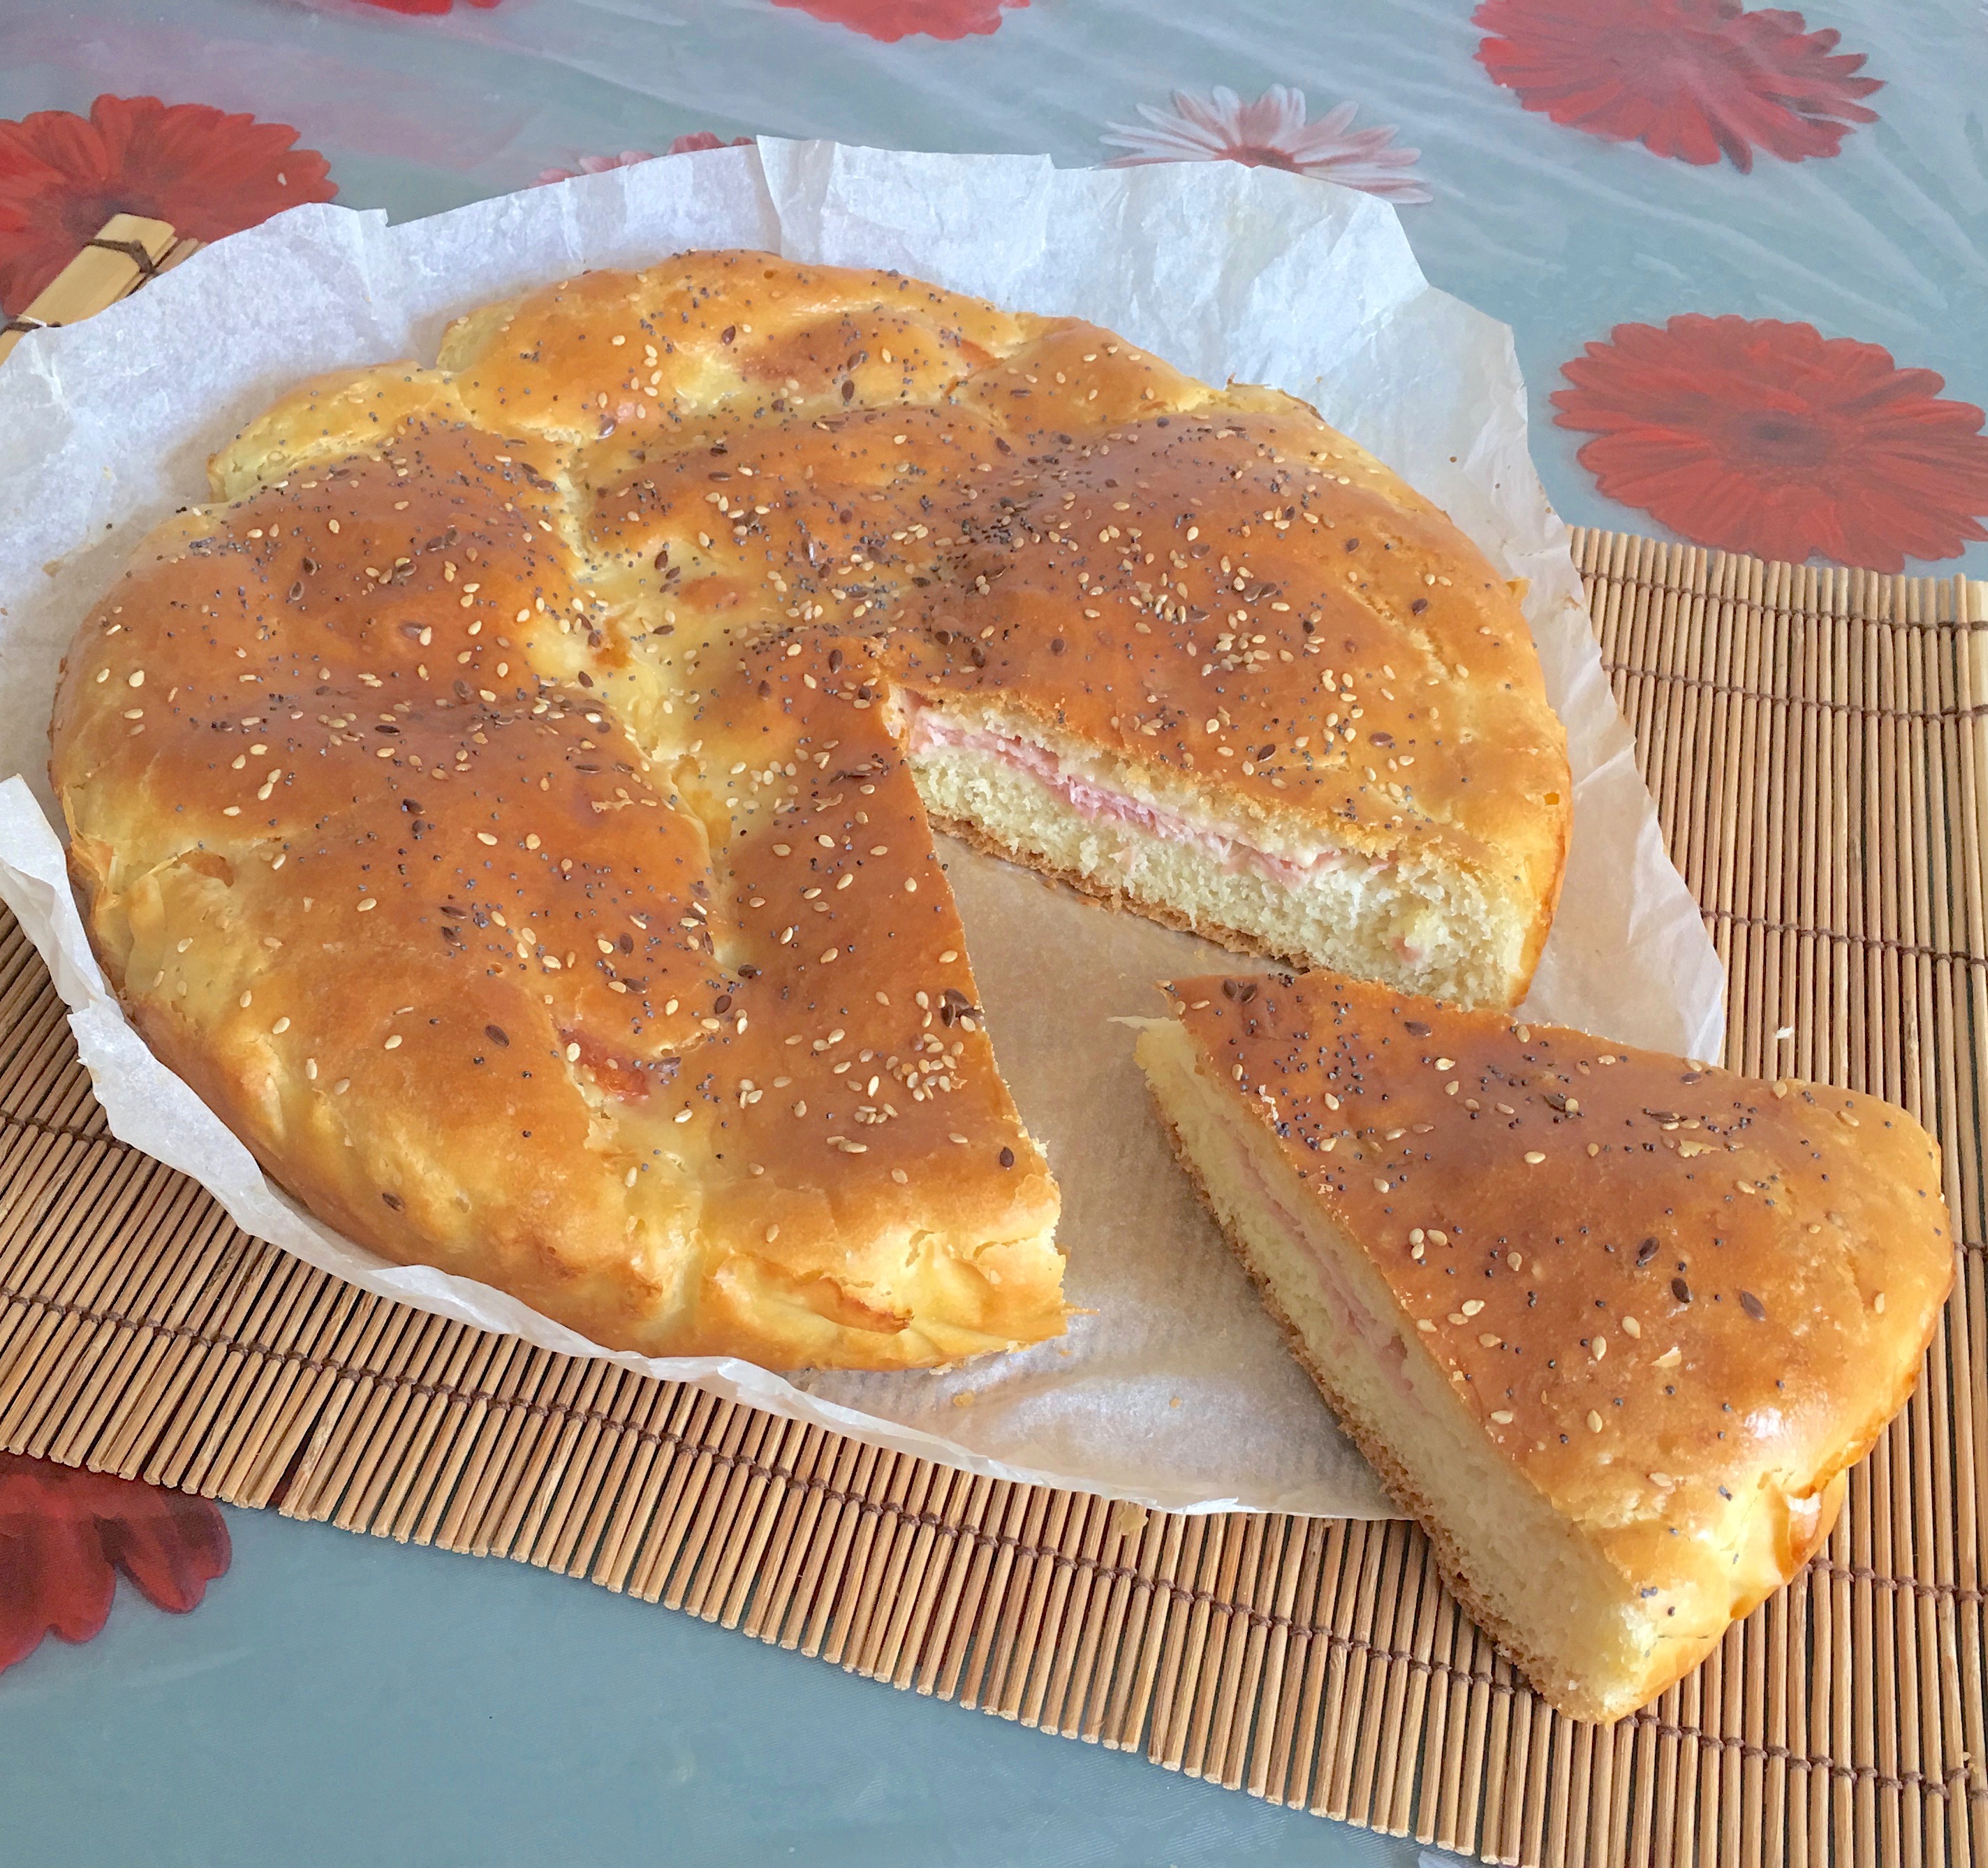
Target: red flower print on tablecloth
{"x":64,"y":1534}
{"x":594,"y":165}
{"x":599,"y":165}
{"x":422,"y":6}
{"x":1272,"y":132}
{"x":1756,"y":436}
{"x":63,"y":176}
{"x":1692,"y":79}
{"x":891,"y":20}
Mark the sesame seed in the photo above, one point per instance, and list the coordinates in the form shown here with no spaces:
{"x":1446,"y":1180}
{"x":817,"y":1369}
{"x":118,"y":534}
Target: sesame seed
{"x":1593,"y":1422}
{"x":393,"y":1043}
{"x":279,"y":1027}
{"x":366,"y":903}
{"x":1475,"y":1305}
{"x":1631,"y":1327}
{"x":773,"y":1233}
{"x":1488,"y":1340}
{"x":341,"y":1086}
{"x":1534,"y":1155}
{"x":572,"y":1053}
{"x":1502,"y":1416}
{"x":1670,"y":1358}
{"x":682,"y":1115}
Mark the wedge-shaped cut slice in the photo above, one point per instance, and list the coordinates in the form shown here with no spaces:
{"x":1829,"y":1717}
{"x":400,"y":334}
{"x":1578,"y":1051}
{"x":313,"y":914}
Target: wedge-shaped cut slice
{"x":1611,"y":1325}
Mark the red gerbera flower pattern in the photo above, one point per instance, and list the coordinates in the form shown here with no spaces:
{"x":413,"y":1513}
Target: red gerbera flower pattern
{"x":66,"y":1533}
{"x":891,"y":20}
{"x":1756,"y":436}
{"x":63,"y":176}
{"x":1692,"y":79}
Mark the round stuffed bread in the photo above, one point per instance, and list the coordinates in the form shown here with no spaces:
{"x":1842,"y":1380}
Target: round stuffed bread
{"x":510,"y":804}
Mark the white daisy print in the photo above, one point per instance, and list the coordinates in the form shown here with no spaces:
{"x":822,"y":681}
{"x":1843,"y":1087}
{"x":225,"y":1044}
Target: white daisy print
{"x":1271,"y":133}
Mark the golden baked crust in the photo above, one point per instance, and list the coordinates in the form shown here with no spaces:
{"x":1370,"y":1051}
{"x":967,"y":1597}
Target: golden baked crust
{"x":495,"y":807}
{"x":1694,"y":1301}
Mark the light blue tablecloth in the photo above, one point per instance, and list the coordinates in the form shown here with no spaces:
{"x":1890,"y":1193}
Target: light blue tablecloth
{"x":1817,"y":328}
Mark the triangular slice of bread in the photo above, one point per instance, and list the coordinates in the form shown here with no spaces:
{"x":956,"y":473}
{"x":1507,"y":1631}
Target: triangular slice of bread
{"x":1611,"y":1325}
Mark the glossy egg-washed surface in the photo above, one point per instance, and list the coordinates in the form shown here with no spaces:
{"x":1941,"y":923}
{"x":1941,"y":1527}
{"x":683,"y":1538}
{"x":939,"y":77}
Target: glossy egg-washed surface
{"x":1679,"y":1301}
{"x":495,"y":807}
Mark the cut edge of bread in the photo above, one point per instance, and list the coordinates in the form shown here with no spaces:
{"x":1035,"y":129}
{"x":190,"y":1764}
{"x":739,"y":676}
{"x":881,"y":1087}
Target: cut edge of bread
{"x":1417,"y":919}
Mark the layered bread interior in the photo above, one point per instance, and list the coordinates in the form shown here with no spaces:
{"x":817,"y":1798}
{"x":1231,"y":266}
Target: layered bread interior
{"x":1255,"y":880}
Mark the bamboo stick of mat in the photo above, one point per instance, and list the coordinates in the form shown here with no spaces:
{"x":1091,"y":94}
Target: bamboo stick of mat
{"x":1818,"y":744}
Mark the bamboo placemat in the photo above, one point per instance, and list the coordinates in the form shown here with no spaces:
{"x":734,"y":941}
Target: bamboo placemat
{"x":128,"y":251}
{"x":1817,"y":745}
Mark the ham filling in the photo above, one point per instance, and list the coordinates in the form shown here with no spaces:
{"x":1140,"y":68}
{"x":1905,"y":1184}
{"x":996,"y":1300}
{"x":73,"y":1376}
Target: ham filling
{"x":1386,"y":1347}
{"x":931,"y":729}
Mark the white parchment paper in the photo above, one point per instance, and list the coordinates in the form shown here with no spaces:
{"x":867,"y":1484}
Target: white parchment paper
{"x":1171,"y":1388}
